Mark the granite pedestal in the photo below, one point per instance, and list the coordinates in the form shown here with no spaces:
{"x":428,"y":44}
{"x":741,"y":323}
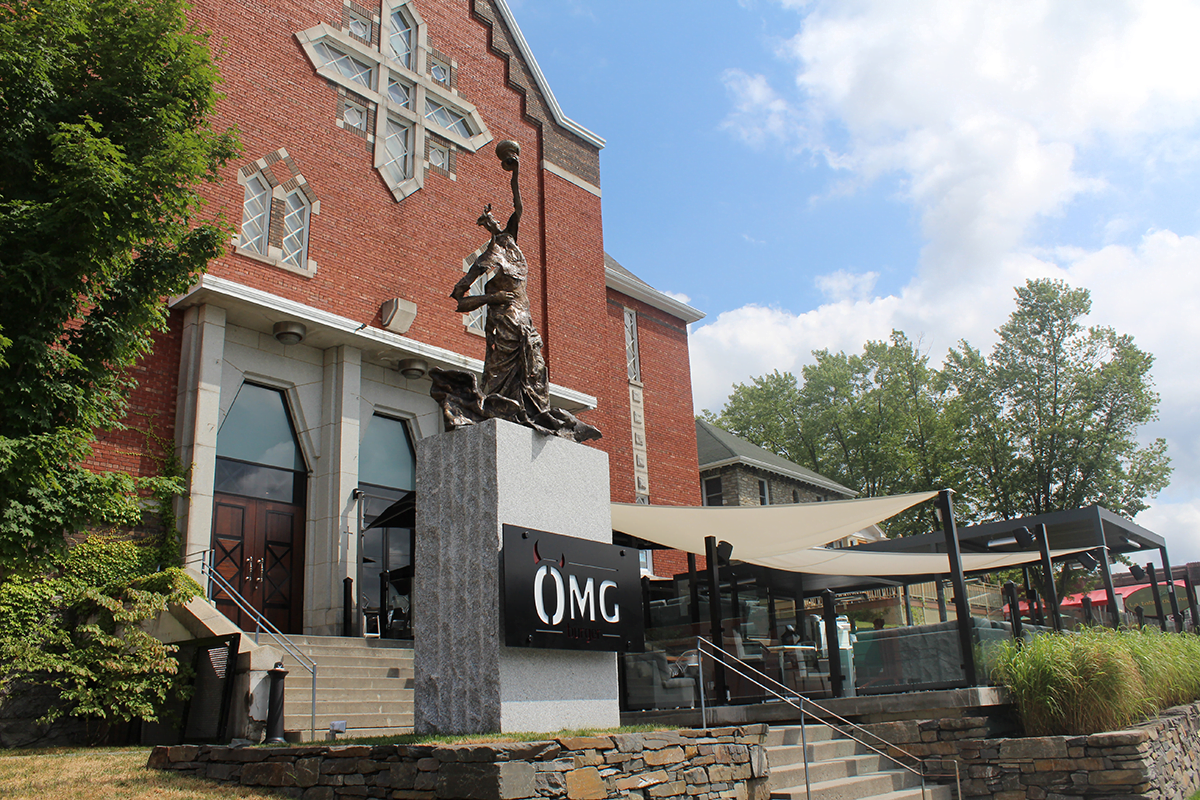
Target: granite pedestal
{"x":470,"y":482}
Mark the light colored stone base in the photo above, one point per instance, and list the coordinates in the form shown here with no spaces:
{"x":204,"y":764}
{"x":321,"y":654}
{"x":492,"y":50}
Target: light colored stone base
{"x":471,"y":482}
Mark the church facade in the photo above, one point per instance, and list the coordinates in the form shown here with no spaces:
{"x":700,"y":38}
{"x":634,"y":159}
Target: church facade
{"x":293,"y":380}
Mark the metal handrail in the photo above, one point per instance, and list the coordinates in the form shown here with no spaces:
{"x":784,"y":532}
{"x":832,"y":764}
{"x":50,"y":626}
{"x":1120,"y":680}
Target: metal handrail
{"x":727,"y":659}
{"x":262,"y":623}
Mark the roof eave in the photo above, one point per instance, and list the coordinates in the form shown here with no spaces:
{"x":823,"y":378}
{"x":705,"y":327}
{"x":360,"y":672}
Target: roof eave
{"x":750,"y":462}
{"x":650,"y":296}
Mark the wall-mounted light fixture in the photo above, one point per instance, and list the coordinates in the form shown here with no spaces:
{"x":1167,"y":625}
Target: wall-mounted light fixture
{"x":412,"y":368}
{"x":397,"y":315}
{"x":1087,"y":562}
{"x":289,"y":332}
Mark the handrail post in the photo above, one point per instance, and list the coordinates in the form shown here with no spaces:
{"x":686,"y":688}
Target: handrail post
{"x":804,"y":746}
{"x":703,"y":688}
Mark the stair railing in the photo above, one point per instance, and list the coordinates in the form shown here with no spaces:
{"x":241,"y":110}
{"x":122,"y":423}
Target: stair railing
{"x":261,"y":623}
{"x":718,"y":655}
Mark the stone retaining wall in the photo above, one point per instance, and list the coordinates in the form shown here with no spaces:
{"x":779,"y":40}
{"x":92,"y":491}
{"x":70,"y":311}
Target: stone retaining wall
{"x":716,"y":764}
{"x":1155,"y":759}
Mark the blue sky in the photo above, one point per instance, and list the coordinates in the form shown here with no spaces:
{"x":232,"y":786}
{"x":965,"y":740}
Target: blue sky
{"x":813,"y":174}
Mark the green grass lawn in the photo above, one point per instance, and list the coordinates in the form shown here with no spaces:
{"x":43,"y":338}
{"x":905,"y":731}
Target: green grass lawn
{"x":117,"y":773}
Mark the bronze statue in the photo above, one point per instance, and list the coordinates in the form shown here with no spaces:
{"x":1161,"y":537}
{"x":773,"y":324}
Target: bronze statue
{"x":515,"y":383}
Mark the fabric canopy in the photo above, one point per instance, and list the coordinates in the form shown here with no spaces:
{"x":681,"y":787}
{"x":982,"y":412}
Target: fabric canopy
{"x":758,"y":532}
{"x":788,"y":537}
{"x":865,"y":563}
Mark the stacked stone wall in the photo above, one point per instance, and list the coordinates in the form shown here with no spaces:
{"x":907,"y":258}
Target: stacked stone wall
{"x":716,"y":764}
{"x":1156,"y":759}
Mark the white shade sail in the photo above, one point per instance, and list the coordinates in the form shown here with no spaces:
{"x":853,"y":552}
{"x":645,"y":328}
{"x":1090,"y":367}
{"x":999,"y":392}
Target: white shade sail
{"x":865,"y":563}
{"x":789,"y":537}
{"x":758,"y":532}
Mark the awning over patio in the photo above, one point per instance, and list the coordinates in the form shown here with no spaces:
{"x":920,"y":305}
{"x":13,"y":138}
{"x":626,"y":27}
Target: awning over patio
{"x":788,"y":537}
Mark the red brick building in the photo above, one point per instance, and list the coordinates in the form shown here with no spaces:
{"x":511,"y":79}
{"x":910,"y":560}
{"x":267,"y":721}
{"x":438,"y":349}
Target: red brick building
{"x":293,"y":377}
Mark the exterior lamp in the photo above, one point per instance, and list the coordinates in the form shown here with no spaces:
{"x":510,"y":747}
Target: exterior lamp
{"x":1138,"y":573}
{"x":724,"y":551}
{"x":412,"y":368}
{"x":1087,"y":562}
{"x":289,"y":332}
{"x":1025,"y":537}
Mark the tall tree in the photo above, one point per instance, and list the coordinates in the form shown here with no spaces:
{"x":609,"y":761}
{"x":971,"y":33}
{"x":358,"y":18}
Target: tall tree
{"x":874,"y":422}
{"x":1048,"y":422}
{"x":1055,"y":411}
{"x":105,"y":132}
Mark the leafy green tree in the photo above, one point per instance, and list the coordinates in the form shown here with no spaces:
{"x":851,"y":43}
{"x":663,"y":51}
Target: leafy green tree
{"x":1053,"y":415}
{"x":1048,"y":422}
{"x":874,"y":422}
{"x":79,"y":634}
{"x":105,"y":132}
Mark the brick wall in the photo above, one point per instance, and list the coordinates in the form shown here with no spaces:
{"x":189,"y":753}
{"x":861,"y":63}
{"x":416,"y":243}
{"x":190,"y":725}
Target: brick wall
{"x":369,"y":248}
{"x":717,"y":764}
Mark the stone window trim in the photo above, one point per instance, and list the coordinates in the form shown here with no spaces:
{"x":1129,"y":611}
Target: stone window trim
{"x":283,"y":178}
{"x":416,"y":77}
{"x":450,"y":152}
{"x":350,"y":99}
{"x":633,"y":361}
{"x":351,"y":10}
{"x":450,"y":65}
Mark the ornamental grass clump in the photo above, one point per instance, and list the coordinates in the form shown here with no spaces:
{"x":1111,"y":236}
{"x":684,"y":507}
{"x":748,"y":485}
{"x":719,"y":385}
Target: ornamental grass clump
{"x":1097,"y":679}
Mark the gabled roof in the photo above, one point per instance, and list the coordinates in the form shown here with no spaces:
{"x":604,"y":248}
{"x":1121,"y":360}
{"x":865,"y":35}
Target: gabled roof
{"x":717,"y":447}
{"x":622,"y":280}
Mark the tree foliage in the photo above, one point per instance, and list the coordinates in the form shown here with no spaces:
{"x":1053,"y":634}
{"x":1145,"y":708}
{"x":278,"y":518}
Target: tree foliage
{"x":1053,"y":414}
{"x":105,"y":131}
{"x":79,"y":632}
{"x":1048,"y":421}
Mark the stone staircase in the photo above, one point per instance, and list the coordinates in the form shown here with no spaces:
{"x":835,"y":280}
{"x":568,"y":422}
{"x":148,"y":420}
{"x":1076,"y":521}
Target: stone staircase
{"x":368,"y":683}
{"x":839,"y":768}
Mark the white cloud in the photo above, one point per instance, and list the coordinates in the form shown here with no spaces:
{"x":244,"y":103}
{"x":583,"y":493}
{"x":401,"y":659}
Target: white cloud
{"x":680,"y":296}
{"x":1179,"y":525}
{"x":982,"y":108}
{"x":994,"y":117}
{"x":843,"y":285}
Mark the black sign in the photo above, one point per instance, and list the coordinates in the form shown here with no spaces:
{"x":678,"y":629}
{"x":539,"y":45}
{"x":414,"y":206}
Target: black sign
{"x":570,"y":594}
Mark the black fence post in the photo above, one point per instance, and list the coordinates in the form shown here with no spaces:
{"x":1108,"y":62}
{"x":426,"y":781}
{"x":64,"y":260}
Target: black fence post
{"x":1087,"y":610}
{"x":347,"y":607}
{"x":1158,"y":606}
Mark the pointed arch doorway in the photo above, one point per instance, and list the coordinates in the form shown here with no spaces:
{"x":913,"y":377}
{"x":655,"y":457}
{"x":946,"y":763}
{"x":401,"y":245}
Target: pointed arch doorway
{"x":258,"y":510}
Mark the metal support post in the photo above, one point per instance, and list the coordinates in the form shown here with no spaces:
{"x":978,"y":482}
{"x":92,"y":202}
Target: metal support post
{"x":1169,"y":577}
{"x":1043,"y":538}
{"x":962,"y":607}
{"x":831,"y":643}
{"x":1158,"y":606}
{"x":714,"y":616}
{"x":1114,"y":616}
{"x":1014,"y":610}
{"x":347,"y":606}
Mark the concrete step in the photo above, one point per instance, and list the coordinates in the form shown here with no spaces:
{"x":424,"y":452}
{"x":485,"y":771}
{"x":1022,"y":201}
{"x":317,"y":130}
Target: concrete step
{"x":820,"y":750}
{"x":853,"y":787}
{"x":792,"y":734}
{"x":366,"y":683}
{"x":793,"y":774}
{"x":295,"y":719}
{"x":352,"y":707}
{"x":338,"y":684}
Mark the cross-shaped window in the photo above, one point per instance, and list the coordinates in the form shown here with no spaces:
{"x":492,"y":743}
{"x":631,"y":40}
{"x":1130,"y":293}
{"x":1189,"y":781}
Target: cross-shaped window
{"x":409,"y":88}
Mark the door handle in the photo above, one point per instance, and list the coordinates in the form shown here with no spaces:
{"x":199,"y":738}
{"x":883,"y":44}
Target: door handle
{"x":261,"y":570}
{"x":249,"y":574}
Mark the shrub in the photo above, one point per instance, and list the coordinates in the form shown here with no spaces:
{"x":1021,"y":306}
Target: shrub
{"x":1097,"y":679}
{"x":79,"y":632}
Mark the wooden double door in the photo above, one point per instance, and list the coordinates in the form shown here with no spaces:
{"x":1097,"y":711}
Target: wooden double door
{"x":258,"y":546}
